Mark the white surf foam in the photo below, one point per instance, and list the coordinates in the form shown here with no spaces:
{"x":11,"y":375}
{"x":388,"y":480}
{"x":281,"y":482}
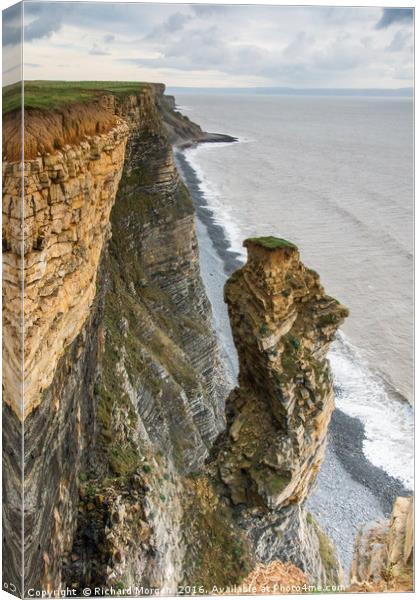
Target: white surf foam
{"x":216,"y":203}
{"x":388,"y":421}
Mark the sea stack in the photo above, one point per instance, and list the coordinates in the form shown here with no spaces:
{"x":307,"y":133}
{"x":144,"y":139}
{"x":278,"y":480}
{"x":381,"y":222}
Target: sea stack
{"x":277,"y":418}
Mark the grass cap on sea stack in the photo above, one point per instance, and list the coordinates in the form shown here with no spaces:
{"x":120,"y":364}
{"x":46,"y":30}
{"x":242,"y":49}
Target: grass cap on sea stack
{"x":269,"y":247}
{"x":270,"y":243}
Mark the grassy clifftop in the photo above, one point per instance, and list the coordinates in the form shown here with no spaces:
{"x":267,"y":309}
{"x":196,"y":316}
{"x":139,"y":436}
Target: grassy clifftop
{"x":61,"y":112}
{"x":50,"y":95}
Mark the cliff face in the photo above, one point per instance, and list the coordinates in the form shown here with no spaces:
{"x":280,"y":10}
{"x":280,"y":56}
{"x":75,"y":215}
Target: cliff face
{"x":130,"y":477}
{"x":67,"y":201}
{"x":277,"y":418}
{"x":160,"y":387}
{"x":55,"y":254}
{"x":263,"y":465}
{"x":123,"y":385}
{"x":383,"y":556}
{"x":155,"y":285}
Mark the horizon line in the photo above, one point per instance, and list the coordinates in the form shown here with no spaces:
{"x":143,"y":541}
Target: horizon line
{"x":271,"y":88}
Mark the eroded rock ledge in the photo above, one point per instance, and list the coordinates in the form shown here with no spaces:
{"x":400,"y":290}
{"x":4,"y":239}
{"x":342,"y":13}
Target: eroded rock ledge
{"x":283,"y":324}
{"x":277,"y":418}
{"x":383,"y":557}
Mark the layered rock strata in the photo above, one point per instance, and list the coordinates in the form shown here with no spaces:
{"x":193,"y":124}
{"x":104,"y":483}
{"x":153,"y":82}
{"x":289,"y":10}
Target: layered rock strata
{"x":124,"y":389}
{"x":154,"y":256}
{"x":160,"y":387}
{"x":55,"y":225}
{"x":383,"y":557}
{"x":65,"y":212}
{"x":277,"y":418}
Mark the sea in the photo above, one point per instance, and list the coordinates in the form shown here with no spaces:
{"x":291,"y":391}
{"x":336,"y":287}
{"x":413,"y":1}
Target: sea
{"x":334,"y":175}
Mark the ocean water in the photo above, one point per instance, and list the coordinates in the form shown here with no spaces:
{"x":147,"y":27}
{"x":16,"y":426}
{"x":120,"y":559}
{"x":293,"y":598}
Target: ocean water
{"x":335,"y":176}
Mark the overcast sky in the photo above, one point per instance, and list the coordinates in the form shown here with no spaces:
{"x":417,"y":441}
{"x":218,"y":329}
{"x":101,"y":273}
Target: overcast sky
{"x":220,"y":46}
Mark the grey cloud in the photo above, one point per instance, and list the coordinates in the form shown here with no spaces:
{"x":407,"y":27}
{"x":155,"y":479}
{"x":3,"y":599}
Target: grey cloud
{"x":298,"y":45}
{"x":342,"y":15}
{"x":11,"y":35}
{"x":176,"y":22}
{"x":45,"y":19}
{"x":282,"y":45}
{"x":366,"y":41}
{"x":400,"y":41}
{"x":203,"y":10}
{"x":173,"y":24}
{"x":45,"y":23}
{"x":98,"y":51}
{"x":394,"y":15}
{"x":127,"y":19}
{"x":11,"y":69}
{"x":11,"y":29}
{"x":42,"y":27}
{"x":209,"y":49}
{"x":199,"y":49}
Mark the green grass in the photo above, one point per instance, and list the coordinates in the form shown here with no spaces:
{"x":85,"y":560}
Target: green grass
{"x":48,"y":95}
{"x":271,"y":242}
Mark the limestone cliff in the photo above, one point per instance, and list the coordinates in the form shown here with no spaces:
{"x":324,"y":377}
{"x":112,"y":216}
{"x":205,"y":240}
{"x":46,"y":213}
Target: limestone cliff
{"x":123,"y":385}
{"x":277,"y":418}
{"x":53,"y":240}
{"x":67,"y":201}
{"x":263,"y":465}
{"x":383,"y":557}
{"x":130,"y":477}
{"x":160,"y":387}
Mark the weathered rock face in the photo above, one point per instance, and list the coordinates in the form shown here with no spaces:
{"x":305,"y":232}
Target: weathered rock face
{"x":52,"y":243}
{"x":283,"y":324}
{"x":383,"y":557}
{"x":155,"y":287}
{"x":66,"y":206}
{"x":124,"y":389}
{"x":58,"y":438}
{"x":160,"y":387}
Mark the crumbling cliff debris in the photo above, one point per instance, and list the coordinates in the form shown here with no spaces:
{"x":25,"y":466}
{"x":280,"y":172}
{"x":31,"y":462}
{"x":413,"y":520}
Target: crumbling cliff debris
{"x":383,"y":556}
